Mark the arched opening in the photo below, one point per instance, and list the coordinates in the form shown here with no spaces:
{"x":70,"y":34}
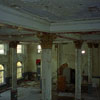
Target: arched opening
{"x":19,"y":70}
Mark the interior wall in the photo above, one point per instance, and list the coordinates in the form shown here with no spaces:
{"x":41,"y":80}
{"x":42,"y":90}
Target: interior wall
{"x":96,"y":66}
{"x":32,"y":55}
{"x":5,"y":60}
{"x":68,"y":56}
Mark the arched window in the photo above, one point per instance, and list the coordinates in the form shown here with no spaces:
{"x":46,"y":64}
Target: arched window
{"x":19,"y":69}
{"x":1,"y":74}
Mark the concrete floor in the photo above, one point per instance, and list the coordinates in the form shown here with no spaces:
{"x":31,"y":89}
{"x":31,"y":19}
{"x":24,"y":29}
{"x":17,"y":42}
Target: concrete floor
{"x":26,"y":91}
{"x":31,"y":91}
{"x":94,"y":95}
{"x":23,"y":94}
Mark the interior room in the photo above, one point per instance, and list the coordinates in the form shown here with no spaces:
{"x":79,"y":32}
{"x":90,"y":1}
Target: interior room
{"x":49,"y":50}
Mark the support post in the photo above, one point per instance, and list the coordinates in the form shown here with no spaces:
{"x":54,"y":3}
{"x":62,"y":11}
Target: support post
{"x":46,"y":43}
{"x":46,"y":74}
{"x":90,"y":46}
{"x":13,"y":59}
{"x":78,"y":78}
{"x":96,"y":48}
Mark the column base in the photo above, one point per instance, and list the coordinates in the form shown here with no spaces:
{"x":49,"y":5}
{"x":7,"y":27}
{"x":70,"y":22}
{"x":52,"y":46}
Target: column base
{"x":13,"y":94}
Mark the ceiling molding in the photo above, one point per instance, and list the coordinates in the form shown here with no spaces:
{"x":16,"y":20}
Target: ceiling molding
{"x":67,"y":31}
{"x":76,"y":26}
{"x":11,"y":16}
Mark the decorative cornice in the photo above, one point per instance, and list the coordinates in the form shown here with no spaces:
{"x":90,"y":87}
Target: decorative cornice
{"x":11,"y":16}
{"x":23,"y":14}
{"x":76,"y":26}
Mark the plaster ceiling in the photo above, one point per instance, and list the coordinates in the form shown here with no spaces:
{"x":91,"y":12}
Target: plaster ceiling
{"x":57,"y":10}
{"x":53,"y":11}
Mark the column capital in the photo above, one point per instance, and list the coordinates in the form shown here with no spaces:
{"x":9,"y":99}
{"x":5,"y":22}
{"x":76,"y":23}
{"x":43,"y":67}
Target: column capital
{"x":96,"y":45}
{"x":13,"y":44}
{"x":46,"y":40}
{"x":78,"y":44}
{"x":90,"y":45}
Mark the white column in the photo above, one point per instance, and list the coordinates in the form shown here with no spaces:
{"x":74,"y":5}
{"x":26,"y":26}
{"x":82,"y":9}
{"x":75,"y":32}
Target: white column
{"x":13,"y":64}
{"x":89,"y":63}
{"x":97,"y":67}
{"x":46,"y":74}
{"x":78,"y":78}
{"x":46,"y":43}
{"x":90,"y":45}
{"x":99,"y":62}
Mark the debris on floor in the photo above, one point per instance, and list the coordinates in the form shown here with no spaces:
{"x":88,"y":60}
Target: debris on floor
{"x":29,"y":84}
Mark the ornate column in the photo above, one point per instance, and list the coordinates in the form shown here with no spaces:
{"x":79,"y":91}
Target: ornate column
{"x":46,"y":43}
{"x":8,"y":78}
{"x":78,"y":45}
{"x":13,"y":64}
{"x":90,"y":45}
